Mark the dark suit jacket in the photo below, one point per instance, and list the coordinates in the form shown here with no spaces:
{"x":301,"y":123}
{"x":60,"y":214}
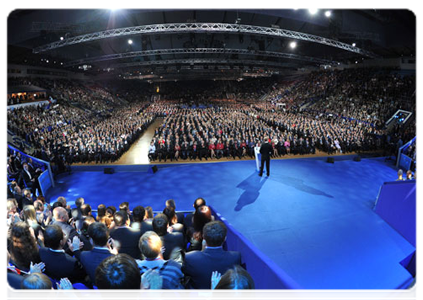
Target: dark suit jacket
{"x":188,"y":221}
{"x":180,"y":216}
{"x":13,"y":286}
{"x":26,"y":178}
{"x":200,"y":265}
{"x":266,"y":150}
{"x":91,"y":259}
{"x":60,"y":265}
{"x":171,"y":241}
{"x":128,"y":239}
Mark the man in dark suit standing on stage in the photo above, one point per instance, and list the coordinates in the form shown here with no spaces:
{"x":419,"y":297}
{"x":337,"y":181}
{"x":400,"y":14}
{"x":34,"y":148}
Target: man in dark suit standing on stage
{"x":266,"y":150}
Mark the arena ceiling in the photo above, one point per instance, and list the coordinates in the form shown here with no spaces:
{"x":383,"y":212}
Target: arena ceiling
{"x":177,"y":43}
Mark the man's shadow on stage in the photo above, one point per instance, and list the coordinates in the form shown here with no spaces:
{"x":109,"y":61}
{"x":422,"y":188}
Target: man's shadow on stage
{"x":299,"y":185}
{"x":251,"y":186}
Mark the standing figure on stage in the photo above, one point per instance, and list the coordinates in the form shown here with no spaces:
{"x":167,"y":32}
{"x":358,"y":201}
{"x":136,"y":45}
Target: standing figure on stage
{"x":266,"y":150}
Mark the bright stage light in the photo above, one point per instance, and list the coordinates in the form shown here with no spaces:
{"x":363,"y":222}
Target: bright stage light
{"x":130,"y":42}
{"x":293,"y":45}
{"x":313,"y":11}
{"x":328,"y":13}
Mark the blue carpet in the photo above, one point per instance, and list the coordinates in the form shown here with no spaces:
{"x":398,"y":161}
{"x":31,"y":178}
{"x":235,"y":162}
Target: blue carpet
{"x":312,"y":218}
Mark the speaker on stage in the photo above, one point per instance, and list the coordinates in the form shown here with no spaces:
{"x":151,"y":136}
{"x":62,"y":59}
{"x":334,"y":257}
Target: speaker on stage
{"x":330,"y":160}
{"x":109,"y":170}
{"x":357,"y":158}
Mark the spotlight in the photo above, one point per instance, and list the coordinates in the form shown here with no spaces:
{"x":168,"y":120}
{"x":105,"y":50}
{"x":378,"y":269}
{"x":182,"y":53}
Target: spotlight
{"x":62,"y":38}
{"x":354,"y":44}
{"x":313,"y":11}
{"x":328,"y":13}
{"x":130,"y":42}
{"x":293,"y":45}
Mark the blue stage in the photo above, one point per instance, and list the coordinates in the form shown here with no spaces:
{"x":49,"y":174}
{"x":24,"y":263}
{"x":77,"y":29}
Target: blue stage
{"x":313,"y":219}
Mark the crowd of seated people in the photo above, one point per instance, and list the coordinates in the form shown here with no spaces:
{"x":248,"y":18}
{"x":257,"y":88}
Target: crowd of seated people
{"x":56,"y":246}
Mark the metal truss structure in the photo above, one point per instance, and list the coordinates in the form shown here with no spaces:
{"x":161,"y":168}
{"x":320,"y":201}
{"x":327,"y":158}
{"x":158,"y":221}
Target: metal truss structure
{"x":199,"y":28}
{"x":198,"y":51}
{"x":204,"y":61}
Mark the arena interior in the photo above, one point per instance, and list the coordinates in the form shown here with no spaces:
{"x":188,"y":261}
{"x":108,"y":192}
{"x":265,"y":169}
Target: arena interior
{"x":137,"y":144}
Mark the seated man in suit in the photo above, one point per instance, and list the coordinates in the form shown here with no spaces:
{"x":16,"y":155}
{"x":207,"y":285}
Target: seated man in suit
{"x":125,"y":238}
{"x":30,"y":179}
{"x":171,"y":241}
{"x":150,"y":246}
{"x":58,"y":264}
{"x":61,"y":218}
{"x":138,"y":215}
{"x":99,"y":237}
{"x":188,"y":218}
{"x":118,"y":272}
{"x":200,"y":265}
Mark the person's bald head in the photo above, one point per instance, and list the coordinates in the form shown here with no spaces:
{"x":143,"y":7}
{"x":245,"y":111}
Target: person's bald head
{"x":60,"y":214}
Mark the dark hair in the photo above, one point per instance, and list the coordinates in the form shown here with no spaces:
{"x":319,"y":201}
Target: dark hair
{"x":101,"y":210}
{"x":79,"y":202}
{"x":36,"y":281}
{"x":85,"y":209}
{"x":201,"y":217}
{"x":171,"y":203}
{"x":214,"y":233}
{"x":120,"y":218}
{"x":87,"y":221}
{"x":138,"y":213}
{"x":23,"y":246}
{"x":236,"y":279}
{"x":199,"y":202}
{"x":149,"y":212}
{"x":38,"y":205}
{"x":56,"y":204}
{"x":99,"y":233}
{"x":169,"y":211}
{"x":118,"y":272}
{"x":160,"y":224}
{"x":124,"y":206}
{"x":53,"y":235}
{"x":111,"y":210}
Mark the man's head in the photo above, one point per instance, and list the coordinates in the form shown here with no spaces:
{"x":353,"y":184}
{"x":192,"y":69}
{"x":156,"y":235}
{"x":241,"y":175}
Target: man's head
{"x":25,"y":166}
{"x":121,"y":218}
{"x":199,"y":202}
{"x":53,"y":237}
{"x":400,"y":173}
{"x":36,"y":281}
{"x":148,"y":212}
{"x":138,"y":213}
{"x":60,"y":214}
{"x":214,"y":233}
{"x":160,"y":223}
{"x":150,"y":245}
{"x":118,"y":272}
{"x":62,"y":200}
{"x":27,"y":193}
{"x":39,"y":206}
{"x":98,"y":233}
{"x":79,"y":202}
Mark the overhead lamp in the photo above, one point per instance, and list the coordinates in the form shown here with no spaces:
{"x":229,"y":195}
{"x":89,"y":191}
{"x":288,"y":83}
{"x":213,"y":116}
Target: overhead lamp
{"x":293,"y":45}
{"x":328,"y":13}
{"x":62,"y":38}
{"x":313,"y":11}
{"x":354,"y":44}
{"x":130,"y":42}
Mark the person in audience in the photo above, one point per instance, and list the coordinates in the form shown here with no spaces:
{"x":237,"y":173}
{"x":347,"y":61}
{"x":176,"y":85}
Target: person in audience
{"x":101,"y":215}
{"x":118,"y":272}
{"x":139,"y":223}
{"x":64,"y":204}
{"x":30,"y":179}
{"x":36,"y":281}
{"x":174,"y":226}
{"x":199,"y":265}
{"x":409,"y":175}
{"x":83,"y":233}
{"x":110,"y":212}
{"x":151,"y":280}
{"x":102,"y":248}
{"x":31,"y":219}
{"x":22,"y":246}
{"x":76,"y":212}
{"x":39,"y":211}
{"x":150,"y":246}
{"x":194,"y":234}
{"x":58,"y":263}
{"x":172,"y":241}
{"x":148,"y":214}
{"x":125,"y":238}
{"x":179,"y":215}
{"x":400,"y":175}
{"x":234,"y":279}
{"x":188,"y":219}
{"x":27,"y":198}
{"x":12,"y":212}
{"x":124,"y":206}
{"x":61,"y":219}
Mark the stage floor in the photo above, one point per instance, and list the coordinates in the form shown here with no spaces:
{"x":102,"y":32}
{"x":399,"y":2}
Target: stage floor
{"x":313,"y":219}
